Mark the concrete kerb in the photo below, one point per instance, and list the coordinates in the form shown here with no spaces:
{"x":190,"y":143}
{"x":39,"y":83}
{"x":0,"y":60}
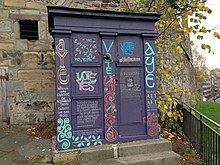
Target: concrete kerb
{"x":63,"y":156}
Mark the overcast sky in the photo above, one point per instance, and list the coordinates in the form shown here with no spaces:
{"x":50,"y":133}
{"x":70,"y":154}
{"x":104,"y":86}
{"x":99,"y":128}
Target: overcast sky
{"x":212,"y":21}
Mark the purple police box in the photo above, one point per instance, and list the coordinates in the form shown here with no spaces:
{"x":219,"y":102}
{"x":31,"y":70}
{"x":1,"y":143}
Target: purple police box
{"x":105,"y":76}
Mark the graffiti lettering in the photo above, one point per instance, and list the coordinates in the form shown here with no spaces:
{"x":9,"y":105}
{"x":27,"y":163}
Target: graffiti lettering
{"x":150,"y":80}
{"x":151,"y":120}
{"x":111,"y":133}
{"x":108,"y":68}
{"x":62,"y":73}
{"x":151,"y":99}
{"x":149,"y":66}
{"x":149,"y":51}
{"x":151,"y":63}
{"x":109,"y":107}
{"x":129,"y":59}
{"x":63,"y":101}
{"x":86,"y":50}
{"x":127,"y":48}
{"x":86,"y":79}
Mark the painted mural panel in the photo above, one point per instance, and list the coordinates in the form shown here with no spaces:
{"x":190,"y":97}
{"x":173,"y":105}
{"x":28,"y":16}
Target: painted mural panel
{"x":85,"y":48}
{"x":151,"y":118}
{"x":63,"y":103}
{"x":130,"y":83}
{"x":86,"y":81}
{"x":129,"y":49}
{"x":89,"y":113}
{"x":88,"y":123}
{"x":110,"y":110}
{"x":88,"y":137}
{"x":87,"y":105}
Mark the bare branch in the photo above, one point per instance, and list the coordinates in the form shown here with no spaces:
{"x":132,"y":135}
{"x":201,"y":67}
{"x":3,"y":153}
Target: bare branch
{"x":151,"y":3}
{"x":215,"y":28}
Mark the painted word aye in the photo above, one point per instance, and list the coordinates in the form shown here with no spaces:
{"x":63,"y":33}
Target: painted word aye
{"x":62,"y":74}
{"x":149,"y":66}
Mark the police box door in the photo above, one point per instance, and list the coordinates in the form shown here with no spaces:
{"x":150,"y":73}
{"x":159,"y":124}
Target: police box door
{"x":130,"y":87}
{"x":124,"y":103}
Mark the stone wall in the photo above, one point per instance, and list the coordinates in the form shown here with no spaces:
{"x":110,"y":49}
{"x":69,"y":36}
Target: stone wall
{"x":30,"y":88}
{"x":31,"y":84}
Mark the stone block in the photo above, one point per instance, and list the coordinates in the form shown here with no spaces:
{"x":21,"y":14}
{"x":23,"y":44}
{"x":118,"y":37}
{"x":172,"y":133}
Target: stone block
{"x":104,"y":5}
{"x":36,"y":84}
{"x":7,"y":45}
{"x":48,"y":94}
{"x":21,"y":45}
{"x":43,"y":30}
{"x":14,"y":3}
{"x":31,"y":117}
{"x":6,"y":26}
{"x":31,"y":60}
{"x":13,"y":75}
{"x":14,"y":11}
{"x":60,"y":2}
{"x":19,"y":119}
{"x":24,"y":118}
{"x":15,"y":85}
{"x":52,"y":104}
{"x":31,"y":56}
{"x":11,"y":54}
{"x":5,"y":62}
{"x":35,"y":5}
{"x":24,"y":17}
{"x":29,"y":12}
{"x":96,"y":4}
{"x":4,"y":13}
{"x":32,"y":95}
{"x":44,"y":17}
{"x":31,"y":65}
{"x":49,"y":117}
{"x":10,"y":100}
{"x":16,"y":30}
{"x":35,"y":74}
{"x":12,"y":94}
{"x":39,"y":45}
{"x":16,"y":62}
{"x":5,"y":36}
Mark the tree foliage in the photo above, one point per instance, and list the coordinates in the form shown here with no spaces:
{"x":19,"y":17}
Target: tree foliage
{"x":173,"y":48}
{"x":199,"y":64}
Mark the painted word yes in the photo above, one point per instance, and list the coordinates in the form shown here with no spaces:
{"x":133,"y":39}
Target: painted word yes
{"x":127,"y":48}
{"x":149,"y":66}
{"x":86,"y":79}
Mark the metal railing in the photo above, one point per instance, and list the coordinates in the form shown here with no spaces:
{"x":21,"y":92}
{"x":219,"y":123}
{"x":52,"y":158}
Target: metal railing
{"x":203,"y":133}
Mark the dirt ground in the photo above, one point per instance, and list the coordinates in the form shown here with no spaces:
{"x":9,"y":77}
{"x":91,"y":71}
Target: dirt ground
{"x":181,"y":145}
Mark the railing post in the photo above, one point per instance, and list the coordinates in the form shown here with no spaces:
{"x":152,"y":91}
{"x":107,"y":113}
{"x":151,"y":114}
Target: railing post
{"x":201,"y":135}
{"x":218,"y":150}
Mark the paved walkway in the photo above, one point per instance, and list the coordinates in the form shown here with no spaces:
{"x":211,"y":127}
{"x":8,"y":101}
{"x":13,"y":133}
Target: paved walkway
{"x":18,"y":148}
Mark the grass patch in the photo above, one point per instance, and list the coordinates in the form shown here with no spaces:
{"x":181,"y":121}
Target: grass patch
{"x":209,"y":109}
